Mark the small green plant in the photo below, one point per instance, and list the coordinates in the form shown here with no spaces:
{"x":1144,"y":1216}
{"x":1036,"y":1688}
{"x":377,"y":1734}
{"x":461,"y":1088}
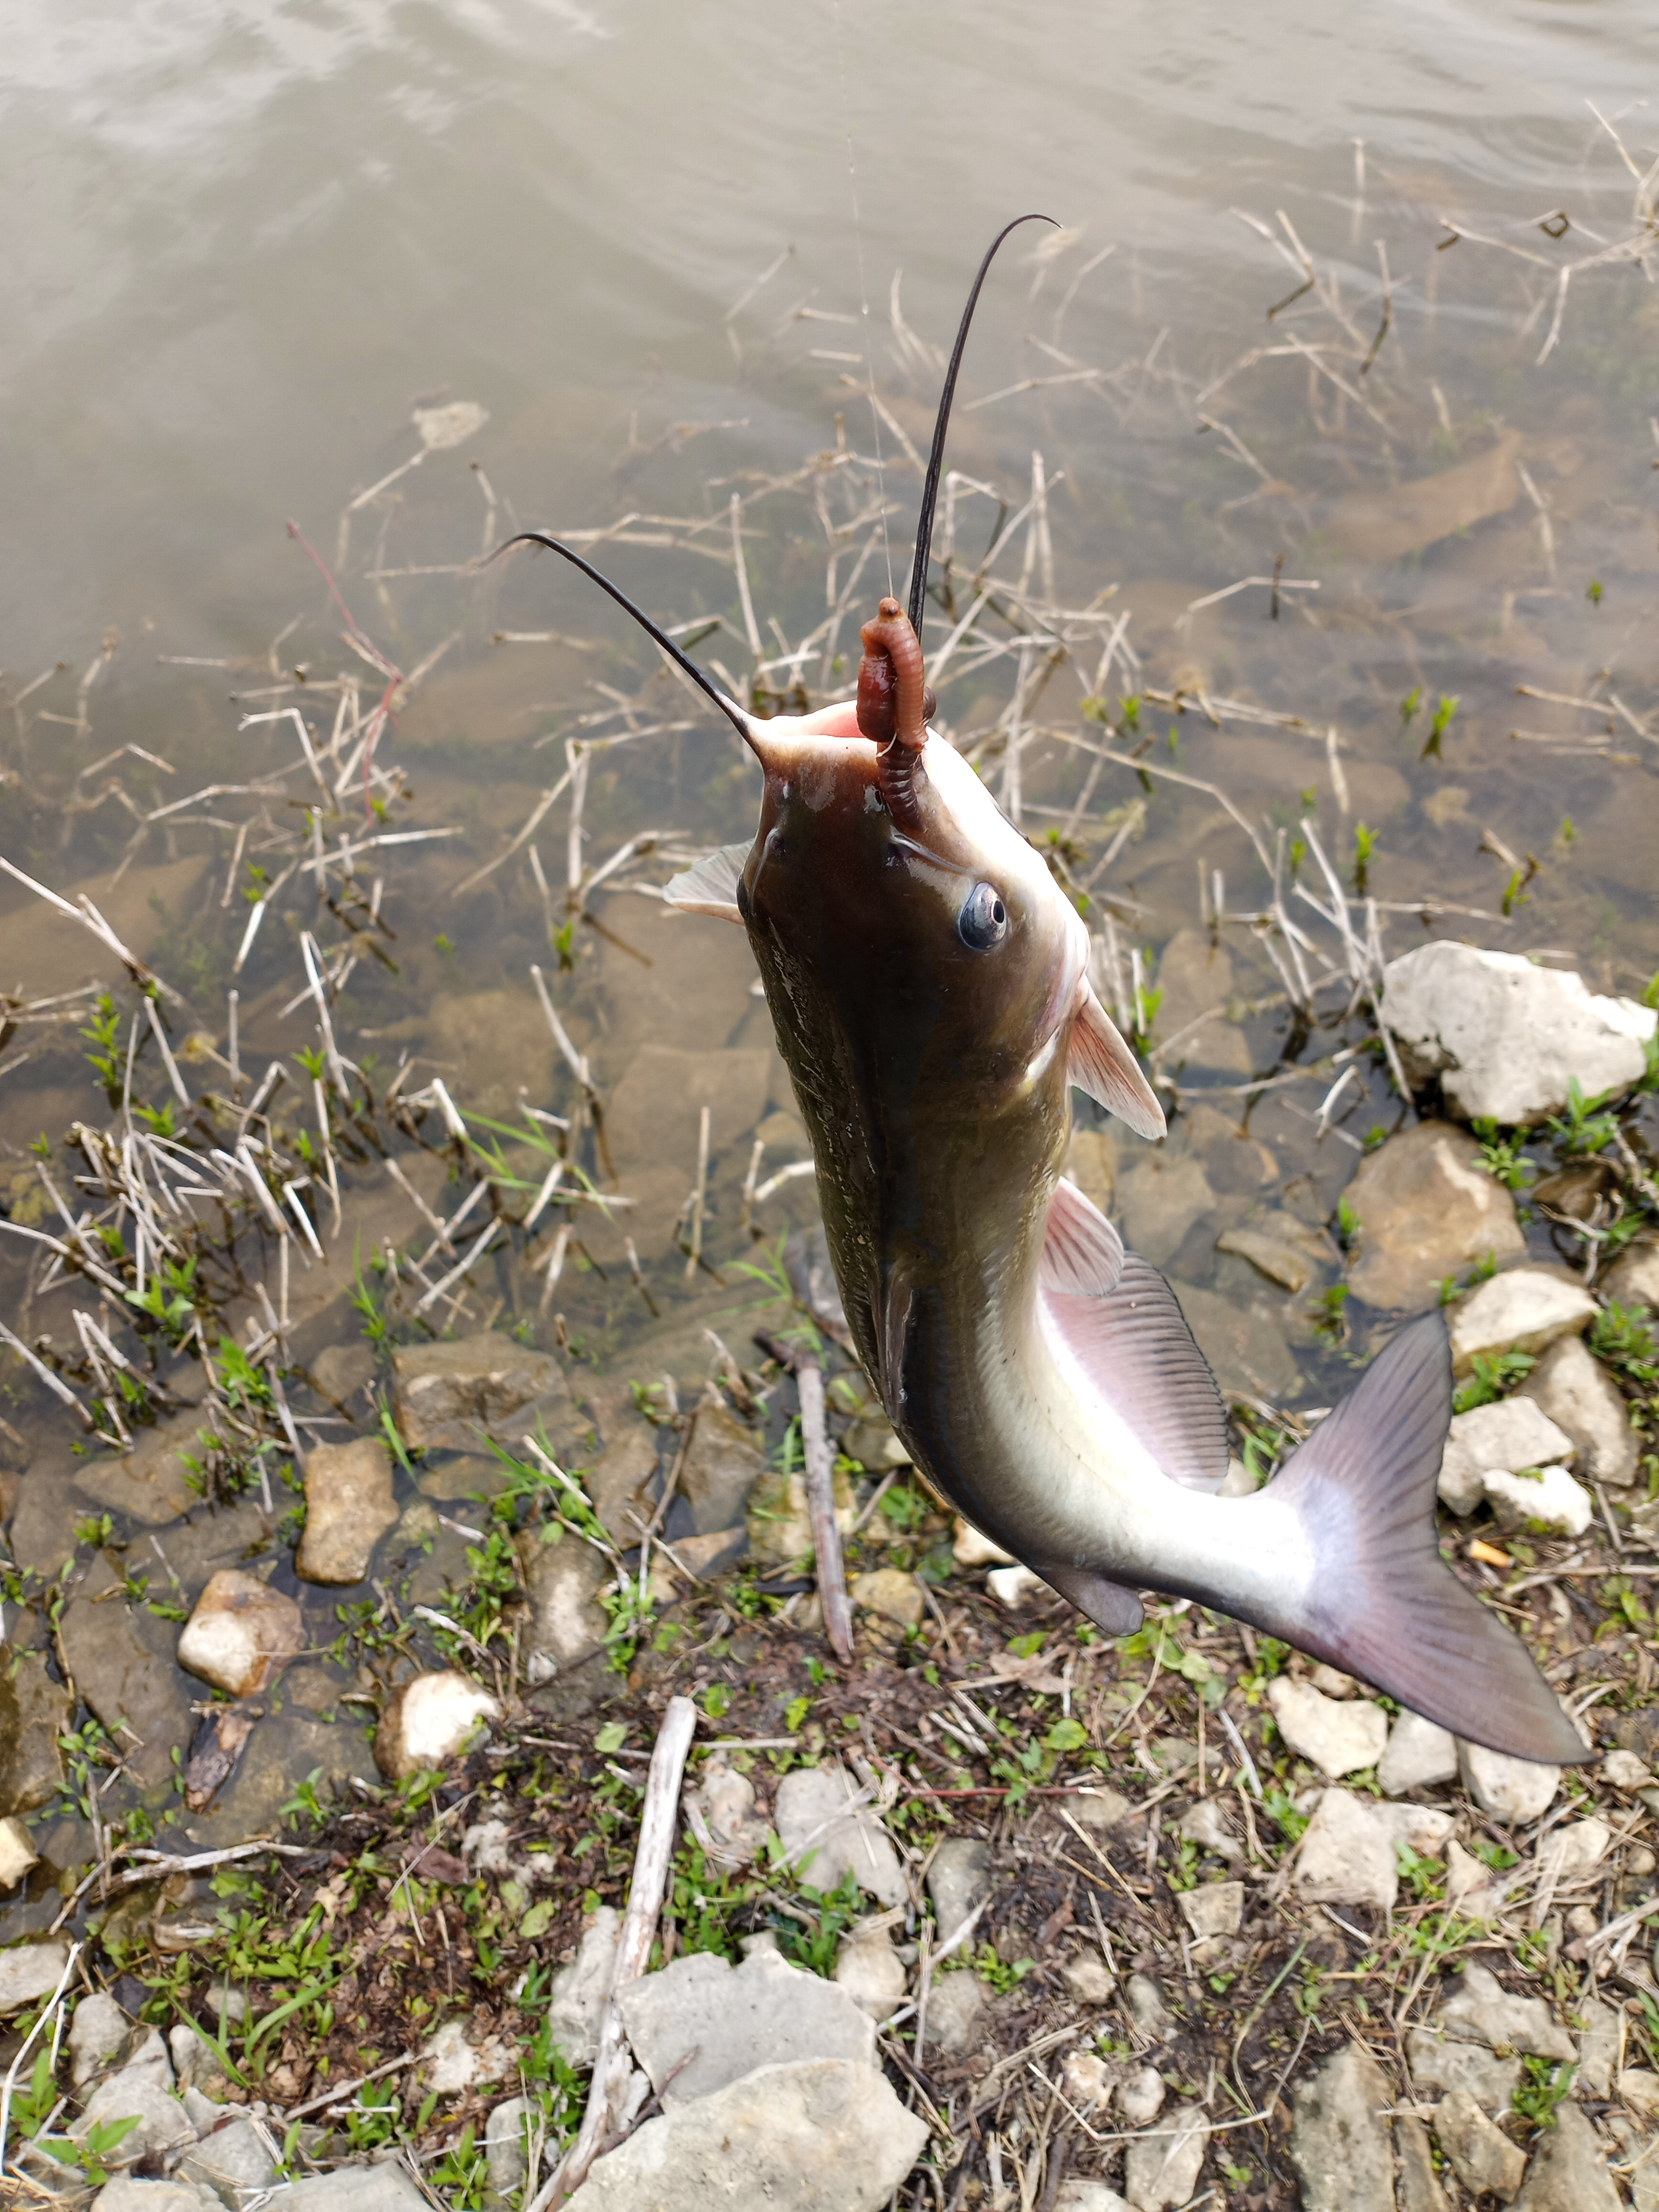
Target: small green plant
{"x":1364,"y":845}
{"x":1410,"y":707}
{"x":999,"y":1974}
{"x":303,"y":1805}
{"x":1621,"y":1337}
{"x":1496,"y":1373}
{"x":1330,"y":1321}
{"x":242,"y":1381}
{"x":1439,"y":725}
{"x":1502,"y":1157}
{"x":103,"y":1032}
{"x":1545,"y":2084}
{"x":96,"y":1529}
{"x":1593,"y":593}
{"x":161,"y":1119}
{"x":168,"y":1299}
{"x":1583,"y":1128}
{"x":362,"y":1298}
{"x":1128,"y":713}
{"x":1347,"y":1221}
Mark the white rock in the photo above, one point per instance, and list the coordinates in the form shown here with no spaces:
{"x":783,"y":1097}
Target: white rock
{"x":1161,"y":2168}
{"x":230,"y":2160}
{"x":954,"y":2005}
{"x":388,"y":2187}
{"x":124,"y":2192}
{"x":720,"y":1814}
{"x":448,"y":2062}
{"x":1087,"y":2081}
{"x":1440,"y":2063}
{"x":1339,"y":2138}
{"x":1639,"y":2087}
{"x":1140,"y":2097}
{"x":17,"y":1853}
{"x":700,"y":2024}
{"x":1480,"y":2010}
{"x":1625,"y":1770}
{"x":96,"y":2034}
{"x":1087,"y":1978}
{"x":505,"y":2155}
{"x":1346,"y":1855}
{"x":1468,"y":1879}
{"x":31,"y":1970}
{"x":1507,"y":1038}
{"x":1513,"y":1790}
{"x":1575,"y":1850}
{"x":428,"y":1722}
{"x":1332,"y":1680}
{"x":1579,"y":1396}
{"x":825,"y":2135}
{"x":1206,"y":1824}
{"x":872,"y":1972}
{"x":969,"y":1549}
{"x":1012,"y":1586}
{"x":958,"y":1879}
{"x":1214,"y":1909}
{"x":1481,"y":2155}
{"x":241,"y":1634}
{"x":1340,"y":1737}
{"x":1598,"y":2047}
{"x":1419,"y":1755}
{"x":136,"y":2093}
{"x":1524,"y":1310}
{"x":579,"y":1992}
{"x":195,"y":2061}
{"x":827,"y":1836}
{"x":1511,"y":1434}
{"x":1549,"y":1501}
{"x":1425,"y":1828}
{"x":1148,"y":2009}
{"x":1080,"y":2193}
{"x":1633,"y":1281}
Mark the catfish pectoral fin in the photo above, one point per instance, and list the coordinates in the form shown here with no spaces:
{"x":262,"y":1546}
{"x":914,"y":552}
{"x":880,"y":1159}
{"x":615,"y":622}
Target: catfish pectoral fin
{"x":1102,"y":1066}
{"x":710,"y":885}
{"x":1388,"y":1608}
{"x":1111,"y":1606}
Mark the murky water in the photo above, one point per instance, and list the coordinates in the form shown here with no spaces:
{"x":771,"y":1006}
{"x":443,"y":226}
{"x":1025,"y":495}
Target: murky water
{"x":663,"y":257}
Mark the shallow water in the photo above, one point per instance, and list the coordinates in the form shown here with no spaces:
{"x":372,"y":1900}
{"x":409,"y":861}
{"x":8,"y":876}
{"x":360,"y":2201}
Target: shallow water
{"x":660,"y":250}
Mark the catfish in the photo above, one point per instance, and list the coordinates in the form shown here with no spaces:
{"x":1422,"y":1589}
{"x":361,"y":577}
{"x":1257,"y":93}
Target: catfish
{"x":927,"y":981}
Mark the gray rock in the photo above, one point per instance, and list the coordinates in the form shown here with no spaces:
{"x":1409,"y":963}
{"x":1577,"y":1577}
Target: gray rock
{"x":1138,"y":2094}
{"x":1426,"y":1210}
{"x":240,"y":1634}
{"x":195,"y":2061}
{"x":1347,"y":1854}
{"x":562,"y":1579}
{"x":1633,"y":1281}
{"x":136,"y":2092}
{"x":955,"y":2004}
{"x":722,"y":1464}
{"x":121,"y":1658}
{"x":505,"y":2156}
{"x":1547,"y":1501}
{"x":348,"y":1507}
{"x":872,"y":1974}
{"x":760,"y":2013}
{"x":1340,"y":1736}
{"x":1206,"y":1823}
{"x":1099,"y":1809}
{"x":1195,"y":975}
{"x":579,"y":1992}
{"x":1482,"y":2156}
{"x":1505,"y":1038}
{"x":1641,"y":2169}
{"x":428,"y":1721}
{"x":958,"y":1880}
{"x":823,"y":2135}
{"x":1080,"y":2193}
{"x":1598,"y":2048}
{"x":1570,"y":1385}
{"x":1479,"y":2009}
{"x":338,"y":1370}
{"x":232,"y":2161}
{"x":720,"y":1814}
{"x":1568,"y":2169}
{"x":1528,"y":1309}
{"x":1161,"y":2167}
{"x":444,"y":1395}
{"x":620,"y":1480}
{"x":34,"y":1711}
{"x":1418,"y":2186}
{"x":1513,"y":1790}
{"x":124,"y":2192}
{"x":1284,"y":1259}
{"x":1148,"y":2009}
{"x":29,"y":1972}
{"x":150,"y":1484}
{"x":826,"y":1837}
{"x":1339,"y":2140}
{"x":1163,"y":1197}
{"x":383,"y":2187}
{"x":95,"y":2036}
{"x":1244,"y":1344}
{"x":1439,"y":2063}
{"x":1214,"y":1909}
{"x":1509,"y":1435}
{"x":1420,"y":1753}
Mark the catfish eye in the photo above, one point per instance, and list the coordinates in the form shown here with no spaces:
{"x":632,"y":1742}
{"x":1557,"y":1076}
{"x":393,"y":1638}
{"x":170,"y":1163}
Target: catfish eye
{"x":983,"y":920}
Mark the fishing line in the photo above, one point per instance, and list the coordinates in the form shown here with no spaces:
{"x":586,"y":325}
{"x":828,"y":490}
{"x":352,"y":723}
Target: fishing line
{"x":864,"y":293}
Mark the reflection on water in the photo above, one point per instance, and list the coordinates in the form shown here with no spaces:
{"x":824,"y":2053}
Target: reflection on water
{"x":259,"y":242}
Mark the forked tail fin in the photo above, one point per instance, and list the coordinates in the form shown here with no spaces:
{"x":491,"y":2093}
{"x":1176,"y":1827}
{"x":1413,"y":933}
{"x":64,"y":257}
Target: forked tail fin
{"x":1388,"y":1608}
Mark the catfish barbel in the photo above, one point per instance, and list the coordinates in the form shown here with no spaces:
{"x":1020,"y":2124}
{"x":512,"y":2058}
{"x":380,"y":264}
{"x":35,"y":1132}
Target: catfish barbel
{"x":927,"y":980}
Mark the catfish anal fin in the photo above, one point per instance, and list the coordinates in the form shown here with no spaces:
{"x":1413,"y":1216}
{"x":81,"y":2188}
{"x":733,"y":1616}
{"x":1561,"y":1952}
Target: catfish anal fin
{"x":710,"y":885}
{"x":1101,"y":1064}
{"x":1082,"y":1253}
{"x":1111,"y":1606}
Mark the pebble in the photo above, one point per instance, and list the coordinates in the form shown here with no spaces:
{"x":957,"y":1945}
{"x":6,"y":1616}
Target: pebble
{"x":1625,"y":1770}
{"x":826,"y":1839}
{"x":1339,"y":1736}
{"x":1338,"y":2139}
{"x":95,"y":2036}
{"x":721,"y":1465}
{"x":1099,"y":1809}
{"x":579,"y":1990}
{"x":195,"y":2062}
{"x":1525,"y":1311}
{"x":730,"y":2019}
{"x":451,"y":2063}
{"x":955,"y":2003}
{"x":872,"y":1972}
{"x":446,"y":1396}
{"x":240,"y":1634}
{"x":1162,"y":2168}
{"x":1639,"y":2087}
{"x":506,"y":2160}
{"x":1160,"y":1199}
{"x":1482,"y":2156}
{"x":1507,"y":1037}
{"x":1214,"y":1909}
{"x":1548,"y":1502}
{"x":968,"y":1549}
{"x":1633,"y":1281}
{"x":1568,"y":2171}
{"x":1480,"y":2010}
{"x":121,"y":1660}
{"x":149,"y":1485}
{"x":1148,"y":2009}
{"x":889,"y":1593}
{"x":1569,"y":1854}
{"x":818,"y":2135}
{"x":34,"y":1711}
{"x":382,"y":2188}
{"x":1245,"y":1343}
{"x":1014,"y":1586}
{"x":1206,"y":1824}
{"x":1426,"y":1209}
{"x":1346,"y":1855}
{"x":873,"y":1443}
{"x":1510,"y":1434}
{"x":427,"y":1721}
{"x":1512,"y":1791}
{"x":1088,"y":1980}
{"x":1419,"y":1755}
{"x":620,"y":1479}
{"x":1194,"y":974}
{"x":348,"y":1507}
{"x":1441,"y":2064}
{"x":124,"y":2192}
{"x":1087,"y":2081}
{"x":958,"y":1879}
{"x":561,"y":1582}
{"x":780,"y":1526}
{"x":17,"y":1853}
{"x":1080,"y":2193}
{"x":1289,"y":1264}
{"x":30,"y":1971}
{"x":1598,"y":2048}
{"x":1417,"y":2189}
{"x":720,"y":1812}
{"x":231,"y":2161}
{"x":137,"y":2092}
{"x":1570,"y":1385}
{"x":1138,"y":2095}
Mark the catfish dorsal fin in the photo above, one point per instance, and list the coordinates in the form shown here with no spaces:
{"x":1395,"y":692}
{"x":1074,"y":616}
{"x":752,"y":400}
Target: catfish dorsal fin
{"x":710,"y":885}
{"x":1102,"y":1064}
{"x":1082,"y":1253}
